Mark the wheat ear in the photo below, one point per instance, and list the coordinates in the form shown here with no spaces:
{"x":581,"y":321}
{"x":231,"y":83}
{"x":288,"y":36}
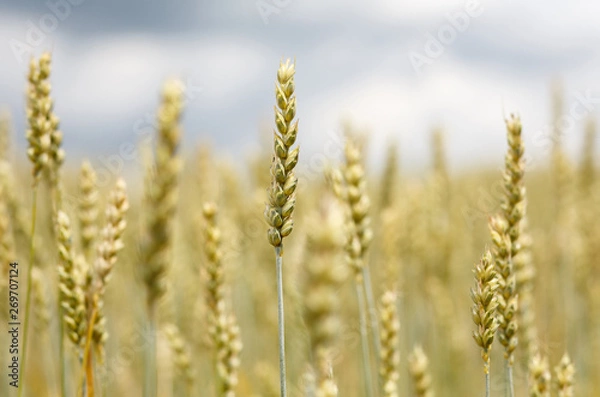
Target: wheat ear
{"x":525,"y":274}
{"x":390,"y":340}
{"x":324,"y":274}
{"x":539,"y":377}
{"x":161,"y":198}
{"x":565,"y":374}
{"x":161,"y":191}
{"x":419,"y":370}
{"x":223,"y":327}
{"x":88,"y":209}
{"x":181,"y":357}
{"x":110,"y":245}
{"x":39,"y":107}
{"x":360,"y":204}
{"x":484,"y":311}
{"x":72,"y":296}
{"x":282,"y":197}
{"x":349,"y":186}
{"x":505,"y":230}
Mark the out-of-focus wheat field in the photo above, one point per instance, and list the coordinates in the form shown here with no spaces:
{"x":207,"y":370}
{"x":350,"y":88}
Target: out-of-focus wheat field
{"x":429,"y":230}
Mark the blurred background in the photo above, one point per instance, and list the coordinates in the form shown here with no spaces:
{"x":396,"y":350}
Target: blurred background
{"x":398,"y":70}
{"x":395,"y":68}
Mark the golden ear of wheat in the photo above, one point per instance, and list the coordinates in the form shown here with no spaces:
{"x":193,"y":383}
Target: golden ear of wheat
{"x":282,"y":198}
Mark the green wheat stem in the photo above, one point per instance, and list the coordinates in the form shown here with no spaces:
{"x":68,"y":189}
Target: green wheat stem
{"x":510,"y":387}
{"x":28,"y":293}
{"x":61,"y":350}
{"x":370,"y":300}
{"x":487,"y":378}
{"x":281,"y":320}
{"x":29,"y":282}
{"x":56,"y":205}
{"x":150,"y":369}
{"x":364,"y":339}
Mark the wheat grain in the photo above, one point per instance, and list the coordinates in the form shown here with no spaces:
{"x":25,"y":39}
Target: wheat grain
{"x":389,"y":354}
{"x":565,"y":374}
{"x":539,"y":377}
{"x":181,"y":354}
{"x":161,"y":192}
{"x":39,"y":107}
{"x":324,"y":274}
{"x":282,"y":192}
{"x":525,"y":276}
{"x":88,"y":208}
{"x":223,"y":327}
{"x":419,"y":370}
{"x":484,"y":308}
{"x":282,"y":200}
{"x":108,"y":248}
{"x":72,"y":297}
{"x":40,"y":302}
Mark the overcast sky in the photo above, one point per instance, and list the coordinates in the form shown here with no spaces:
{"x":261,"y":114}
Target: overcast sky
{"x":396,"y":68}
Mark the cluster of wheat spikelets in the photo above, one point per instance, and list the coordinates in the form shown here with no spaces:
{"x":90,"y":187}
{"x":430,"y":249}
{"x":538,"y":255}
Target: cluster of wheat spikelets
{"x":179,"y":288}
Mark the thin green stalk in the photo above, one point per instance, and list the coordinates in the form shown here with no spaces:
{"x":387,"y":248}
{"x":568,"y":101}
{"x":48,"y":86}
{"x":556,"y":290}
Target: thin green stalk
{"x":61,"y":350}
{"x":366,"y":358}
{"x":510,"y":387}
{"x":28,"y":293}
{"x":487,"y":378}
{"x":372,"y":311}
{"x":150,"y":370}
{"x":56,"y":205}
{"x":280,"y":316}
{"x":217,"y":378}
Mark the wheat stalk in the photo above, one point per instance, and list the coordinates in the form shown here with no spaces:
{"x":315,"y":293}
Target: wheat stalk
{"x":41,"y":124}
{"x":161,"y":198}
{"x":505,"y":230}
{"x":7,"y":242}
{"x":349,"y":185}
{"x":282,"y":197}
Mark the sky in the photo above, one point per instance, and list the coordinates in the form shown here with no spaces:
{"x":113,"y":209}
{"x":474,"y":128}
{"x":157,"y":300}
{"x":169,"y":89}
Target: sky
{"x":396,"y":69}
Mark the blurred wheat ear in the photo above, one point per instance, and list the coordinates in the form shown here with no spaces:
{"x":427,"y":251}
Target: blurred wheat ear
{"x":161,"y":199}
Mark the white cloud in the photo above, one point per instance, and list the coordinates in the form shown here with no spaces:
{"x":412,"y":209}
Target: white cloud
{"x":119,"y":76}
{"x":469,"y":103}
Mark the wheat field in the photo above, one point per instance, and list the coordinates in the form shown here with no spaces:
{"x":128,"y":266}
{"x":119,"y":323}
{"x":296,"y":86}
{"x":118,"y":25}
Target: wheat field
{"x":203,"y":277}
